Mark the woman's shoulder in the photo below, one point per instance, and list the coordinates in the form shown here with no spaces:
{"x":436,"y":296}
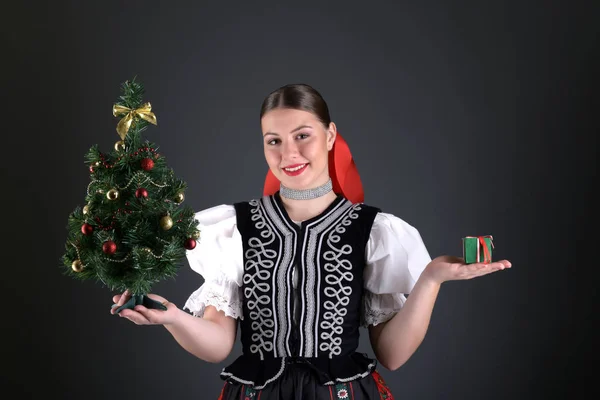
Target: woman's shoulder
{"x":396,"y":255}
{"x":215,"y":215}
{"x":385,"y":220}
{"x":389,"y":221}
{"x":394,"y":233}
{"x":219,"y":246}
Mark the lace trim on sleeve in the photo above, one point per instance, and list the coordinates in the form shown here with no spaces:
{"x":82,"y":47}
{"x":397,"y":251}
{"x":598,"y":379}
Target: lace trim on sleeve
{"x":224,"y":296}
{"x":374,"y":317}
{"x":378,"y":308}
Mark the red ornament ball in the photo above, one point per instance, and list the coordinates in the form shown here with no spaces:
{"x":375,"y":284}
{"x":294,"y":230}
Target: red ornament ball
{"x":189,"y":244}
{"x":109,"y":247}
{"x":141,"y":193}
{"x":87,"y":229}
{"x":147,"y":164}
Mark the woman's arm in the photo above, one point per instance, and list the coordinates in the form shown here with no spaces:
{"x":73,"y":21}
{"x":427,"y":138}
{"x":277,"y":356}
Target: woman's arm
{"x":396,"y":340}
{"x":209,"y":338}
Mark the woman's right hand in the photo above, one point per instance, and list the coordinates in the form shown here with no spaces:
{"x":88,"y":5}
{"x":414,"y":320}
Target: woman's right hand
{"x":141,"y":315}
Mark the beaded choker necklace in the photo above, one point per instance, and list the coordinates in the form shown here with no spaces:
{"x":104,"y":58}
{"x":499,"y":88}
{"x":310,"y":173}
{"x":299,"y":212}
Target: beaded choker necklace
{"x":306,"y":194}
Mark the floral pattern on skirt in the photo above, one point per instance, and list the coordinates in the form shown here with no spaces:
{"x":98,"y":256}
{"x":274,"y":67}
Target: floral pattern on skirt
{"x":299,"y":384}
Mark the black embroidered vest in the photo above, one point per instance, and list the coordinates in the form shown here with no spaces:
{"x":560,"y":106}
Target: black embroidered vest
{"x":327,"y":253}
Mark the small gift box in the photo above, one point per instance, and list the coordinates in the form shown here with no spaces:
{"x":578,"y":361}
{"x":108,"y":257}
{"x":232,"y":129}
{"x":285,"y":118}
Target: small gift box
{"x":478,"y":249}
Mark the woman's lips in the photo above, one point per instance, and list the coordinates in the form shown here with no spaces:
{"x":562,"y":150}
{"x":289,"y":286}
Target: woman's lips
{"x":296,"y":171}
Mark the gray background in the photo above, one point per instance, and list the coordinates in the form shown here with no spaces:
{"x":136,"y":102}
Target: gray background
{"x":463,"y":119}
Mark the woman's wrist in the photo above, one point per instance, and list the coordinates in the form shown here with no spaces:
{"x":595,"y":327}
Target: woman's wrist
{"x":176,"y":317}
{"x":429,"y":277}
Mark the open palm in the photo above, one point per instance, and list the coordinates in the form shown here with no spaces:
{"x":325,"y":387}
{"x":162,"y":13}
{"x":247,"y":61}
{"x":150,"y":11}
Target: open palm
{"x":450,"y":268}
{"x":141,"y":315}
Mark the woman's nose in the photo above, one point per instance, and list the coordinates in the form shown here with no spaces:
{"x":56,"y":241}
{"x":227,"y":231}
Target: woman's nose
{"x":289,"y":149}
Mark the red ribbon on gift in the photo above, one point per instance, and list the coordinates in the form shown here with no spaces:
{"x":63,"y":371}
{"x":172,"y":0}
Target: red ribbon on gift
{"x":486,"y":250}
{"x":487,"y":257}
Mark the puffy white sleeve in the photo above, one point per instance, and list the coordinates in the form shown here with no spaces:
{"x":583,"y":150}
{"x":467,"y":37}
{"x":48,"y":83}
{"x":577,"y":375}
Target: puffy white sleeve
{"x":218,"y":258}
{"x":395,"y":258}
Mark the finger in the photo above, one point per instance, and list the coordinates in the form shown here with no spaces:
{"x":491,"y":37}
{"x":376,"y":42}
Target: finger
{"x":499,"y":265}
{"x":150,"y":315}
{"x":134,"y":317}
{"x":114,"y":308}
{"x":491,"y":267}
{"x":116,"y":299}
{"x":502,"y":264}
{"x":486,"y":266}
{"x":157,"y":298}
{"x":124,"y":297}
{"x":475,"y":270}
{"x":482,"y":266}
{"x":119,"y":300}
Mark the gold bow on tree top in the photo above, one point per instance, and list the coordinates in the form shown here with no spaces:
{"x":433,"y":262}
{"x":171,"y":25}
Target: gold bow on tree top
{"x":144,"y":112}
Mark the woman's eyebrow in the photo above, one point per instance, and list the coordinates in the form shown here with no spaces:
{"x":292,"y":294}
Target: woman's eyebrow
{"x":294,"y":130}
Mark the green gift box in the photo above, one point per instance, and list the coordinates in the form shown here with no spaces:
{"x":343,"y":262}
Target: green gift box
{"x":478,"y":249}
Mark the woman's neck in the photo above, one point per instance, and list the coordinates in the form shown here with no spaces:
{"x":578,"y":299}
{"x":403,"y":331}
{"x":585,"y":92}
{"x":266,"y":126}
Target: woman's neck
{"x":301,"y":210}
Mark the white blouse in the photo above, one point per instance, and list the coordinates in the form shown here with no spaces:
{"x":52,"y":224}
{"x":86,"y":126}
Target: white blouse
{"x":395,"y":258}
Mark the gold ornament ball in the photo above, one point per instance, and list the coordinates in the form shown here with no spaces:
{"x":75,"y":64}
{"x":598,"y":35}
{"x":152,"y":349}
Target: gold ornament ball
{"x":166,"y":222}
{"x":97,"y":164}
{"x":120,"y":145}
{"x":86,"y":209}
{"x":77,"y":266}
{"x":195,"y":235}
{"x":112,"y":194}
{"x":179,"y":197}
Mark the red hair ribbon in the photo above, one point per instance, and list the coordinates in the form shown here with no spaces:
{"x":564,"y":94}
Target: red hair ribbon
{"x":342,"y":170}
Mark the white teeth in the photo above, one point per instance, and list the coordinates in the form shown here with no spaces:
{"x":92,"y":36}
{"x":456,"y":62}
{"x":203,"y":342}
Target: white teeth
{"x":295,"y":168}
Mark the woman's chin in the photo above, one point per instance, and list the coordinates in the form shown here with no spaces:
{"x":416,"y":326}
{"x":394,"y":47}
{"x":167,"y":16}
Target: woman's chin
{"x":296,"y":183}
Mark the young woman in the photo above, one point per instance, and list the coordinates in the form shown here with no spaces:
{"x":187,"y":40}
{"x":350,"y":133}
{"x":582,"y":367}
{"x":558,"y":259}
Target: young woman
{"x":302,"y":269}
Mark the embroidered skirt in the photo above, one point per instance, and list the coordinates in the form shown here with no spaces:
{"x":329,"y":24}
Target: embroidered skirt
{"x":298,"y":382}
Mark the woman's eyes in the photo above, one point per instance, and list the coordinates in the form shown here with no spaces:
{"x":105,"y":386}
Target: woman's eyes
{"x":300,"y":136}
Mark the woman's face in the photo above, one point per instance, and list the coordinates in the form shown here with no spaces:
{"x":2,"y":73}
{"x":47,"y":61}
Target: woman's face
{"x":296,"y":147}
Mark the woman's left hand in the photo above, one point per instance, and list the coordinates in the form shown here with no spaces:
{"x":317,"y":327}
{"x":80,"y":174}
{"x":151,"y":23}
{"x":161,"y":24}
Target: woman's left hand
{"x":449,"y":268}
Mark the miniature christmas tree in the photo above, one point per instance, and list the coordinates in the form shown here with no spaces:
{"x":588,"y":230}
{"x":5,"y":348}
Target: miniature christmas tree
{"x":133,"y":230}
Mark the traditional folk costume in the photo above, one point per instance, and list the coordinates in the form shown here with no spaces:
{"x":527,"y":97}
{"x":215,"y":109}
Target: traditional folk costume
{"x":301,"y":290}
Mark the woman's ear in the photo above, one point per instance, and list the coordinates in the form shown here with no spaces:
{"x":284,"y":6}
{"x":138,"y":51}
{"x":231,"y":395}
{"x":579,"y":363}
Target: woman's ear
{"x":331,"y":135}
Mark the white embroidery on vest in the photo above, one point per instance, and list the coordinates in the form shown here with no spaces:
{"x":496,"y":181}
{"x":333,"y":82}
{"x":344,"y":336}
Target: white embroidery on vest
{"x":338,"y":272}
{"x":313,"y":278}
{"x":283,"y":301}
{"x":259,"y":261}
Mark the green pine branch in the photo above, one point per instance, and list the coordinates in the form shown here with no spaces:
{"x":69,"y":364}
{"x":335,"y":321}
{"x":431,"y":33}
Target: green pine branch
{"x":146,"y":251}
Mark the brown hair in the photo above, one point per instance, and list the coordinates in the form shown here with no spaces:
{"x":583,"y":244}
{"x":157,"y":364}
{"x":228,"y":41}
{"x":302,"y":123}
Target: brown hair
{"x":297,"y":96}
